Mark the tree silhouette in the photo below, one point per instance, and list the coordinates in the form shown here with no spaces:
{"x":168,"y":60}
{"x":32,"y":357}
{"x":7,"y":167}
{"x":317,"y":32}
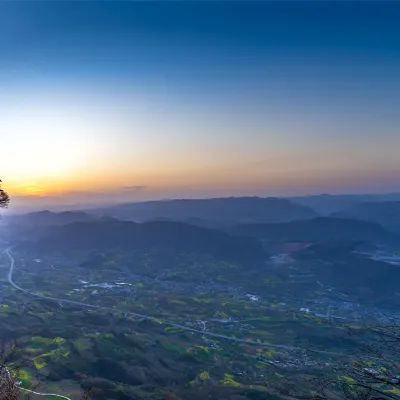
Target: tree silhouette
{"x":4,"y":198}
{"x":9,"y":389}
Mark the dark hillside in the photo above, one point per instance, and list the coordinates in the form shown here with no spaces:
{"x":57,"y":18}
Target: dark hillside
{"x":386,"y":213}
{"x":321,"y":229}
{"x":128,"y":237}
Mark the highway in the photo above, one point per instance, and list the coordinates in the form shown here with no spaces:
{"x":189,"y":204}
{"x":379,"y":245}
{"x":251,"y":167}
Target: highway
{"x":143,"y":316}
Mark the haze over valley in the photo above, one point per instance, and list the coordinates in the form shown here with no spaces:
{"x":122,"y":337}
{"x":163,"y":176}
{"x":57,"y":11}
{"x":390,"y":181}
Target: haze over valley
{"x":184,"y":282}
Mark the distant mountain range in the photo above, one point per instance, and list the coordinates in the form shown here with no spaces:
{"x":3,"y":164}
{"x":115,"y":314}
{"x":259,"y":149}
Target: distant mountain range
{"x":220,"y":210}
{"x":201,"y":252}
{"x":39,"y":224}
{"x":48,"y":218}
{"x":386,"y":213}
{"x":165,"y":237}
{"x":321,"y":229}
{"x":326,"y":204}
{"x":271,"y":219}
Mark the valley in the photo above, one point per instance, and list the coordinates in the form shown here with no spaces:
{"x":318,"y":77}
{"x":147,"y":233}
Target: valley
{"x":169,"y":310}
{"x":254,"y":325}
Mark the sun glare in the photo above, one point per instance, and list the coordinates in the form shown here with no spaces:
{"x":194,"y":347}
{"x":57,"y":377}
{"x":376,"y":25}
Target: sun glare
{"x":43,"y":145}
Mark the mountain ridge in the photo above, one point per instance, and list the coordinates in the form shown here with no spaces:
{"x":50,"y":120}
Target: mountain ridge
{"x":320,"y":229}
{"x":386,"y":213}
{"x":225,"y":209}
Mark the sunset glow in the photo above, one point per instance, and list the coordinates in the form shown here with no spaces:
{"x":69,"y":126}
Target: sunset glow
{"x":233,"y":113}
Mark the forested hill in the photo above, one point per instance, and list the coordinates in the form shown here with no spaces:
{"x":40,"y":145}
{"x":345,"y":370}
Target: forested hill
{"x":386,"y":213}
{"x":319,"y":230}
{"x":48,"y":218}
{"x":103,"y":235}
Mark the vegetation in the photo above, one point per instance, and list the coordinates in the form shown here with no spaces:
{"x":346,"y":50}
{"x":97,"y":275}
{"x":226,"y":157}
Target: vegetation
{"x":9,"y":389}
{"x":321,"y":229}
{"x":375,"y":372}
{"x":165,"y":237}
{"x":386,"y":213}
{"x":4,"y":198}
{"x":165,"y":310}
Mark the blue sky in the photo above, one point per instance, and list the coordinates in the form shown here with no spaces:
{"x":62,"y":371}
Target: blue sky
{"x":200,"y":98}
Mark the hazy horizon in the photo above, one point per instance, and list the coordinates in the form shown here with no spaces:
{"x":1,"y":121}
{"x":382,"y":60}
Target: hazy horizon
{"x":87,"y":201}
{"x":197,"y":99}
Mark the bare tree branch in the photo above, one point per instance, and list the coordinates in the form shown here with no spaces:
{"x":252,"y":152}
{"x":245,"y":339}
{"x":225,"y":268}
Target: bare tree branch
{"x":374,"y":373}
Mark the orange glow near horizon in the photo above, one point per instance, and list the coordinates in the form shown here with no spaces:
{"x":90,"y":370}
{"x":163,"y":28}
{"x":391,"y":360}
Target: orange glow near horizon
{"x":71,"y":151}
{"x":207,"y":182}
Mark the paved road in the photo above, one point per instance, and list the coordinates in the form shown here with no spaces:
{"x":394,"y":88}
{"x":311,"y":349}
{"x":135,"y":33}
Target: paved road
{"x":37,"y":393}
{"x":45,"y":394}
{"x":144,"y":316}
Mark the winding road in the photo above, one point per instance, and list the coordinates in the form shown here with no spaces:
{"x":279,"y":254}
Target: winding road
{"x":45,"y":394}
{"x":37,"y":393}
{"x":143,"y":316}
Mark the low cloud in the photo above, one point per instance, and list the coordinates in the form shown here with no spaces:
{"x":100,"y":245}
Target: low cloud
{"x":134,"y":188}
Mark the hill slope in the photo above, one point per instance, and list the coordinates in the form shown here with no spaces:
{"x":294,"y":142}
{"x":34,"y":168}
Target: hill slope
{"x":164,"y":237}
{"x":340,"y":266}
{"x":326,"y":204}
{"x":228,"y":210}
{"x":386,"y":213}
{"x":322,"y":229}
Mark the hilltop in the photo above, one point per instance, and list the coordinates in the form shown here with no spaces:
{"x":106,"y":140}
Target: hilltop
{"x":48,"y":218}
{"x":327,"y":204}
{"x":219,"y":210}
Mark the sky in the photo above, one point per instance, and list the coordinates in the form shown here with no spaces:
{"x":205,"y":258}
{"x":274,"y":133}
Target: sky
{"x":146,"y":100}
